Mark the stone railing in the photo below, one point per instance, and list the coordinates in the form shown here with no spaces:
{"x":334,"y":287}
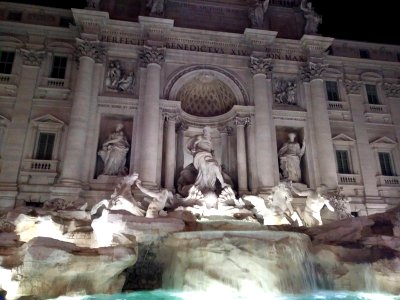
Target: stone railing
{"x":38,"y":165}
{"x":338,"y":105}
{"x":354,"y":179}
{"x":376,"y":108}
{"x":388,"y":180}
{"x":55,"y":83}
{"x":7,"y":79}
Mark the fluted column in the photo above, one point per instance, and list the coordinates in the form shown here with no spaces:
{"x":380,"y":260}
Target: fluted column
{"x":14,"y":141}
{"x":251,"y":155}
{"x":170,"y":151}
{"x":180,"y":160}
{"x":240,"y":123}
{"x":152,"y":58}
{"x":311,"y":75}
{"x":88,"y":52}
{"x":261,"y":69}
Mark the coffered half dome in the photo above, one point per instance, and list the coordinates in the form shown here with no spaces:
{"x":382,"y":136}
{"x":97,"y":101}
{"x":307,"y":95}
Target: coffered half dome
{"x":206,"y":96}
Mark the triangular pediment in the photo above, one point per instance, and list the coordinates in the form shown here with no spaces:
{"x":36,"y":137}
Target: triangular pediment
{"x":48,"y":119}
{"x":384,"y":140}
{"x":343,"y":138}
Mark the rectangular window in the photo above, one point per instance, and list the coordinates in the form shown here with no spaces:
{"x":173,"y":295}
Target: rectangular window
{"x":372,"y":94}
{"x":6,"y":61}
{"x":364,"y":53}
{"x":59,"y":66}
{"x":45,"y":146}
{"x":386,"y":164}
{"x":343,"y":163}
{"x":332,"y":91}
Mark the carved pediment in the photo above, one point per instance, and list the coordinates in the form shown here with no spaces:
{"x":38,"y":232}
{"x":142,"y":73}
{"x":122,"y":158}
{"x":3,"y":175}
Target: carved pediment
{"x":371,"y":76}
{"x":48,"y":121}
{"x":383,"y":143}
{"x":333,"y":73}
{"x":60,"y":46}
{"x":10,"y":41}
{"x":343,"y":139}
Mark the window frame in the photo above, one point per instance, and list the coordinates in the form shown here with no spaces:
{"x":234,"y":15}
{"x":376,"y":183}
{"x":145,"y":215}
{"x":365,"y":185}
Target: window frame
{"x":58,"y":67}
{"x":349,"y":161}
{"x":37,"y":146}
{"x":378,"y":98}
{"x":390,"y":162}
{"x":335,"y":83}
{"x":7,"y":62}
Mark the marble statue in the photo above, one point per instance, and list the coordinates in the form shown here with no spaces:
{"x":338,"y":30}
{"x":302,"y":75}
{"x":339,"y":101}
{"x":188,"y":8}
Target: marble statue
{"x":117,"y":79}
{"x":290,"y":155}
{"x":257,"y":12}
{"x":209,"y":170}
{"x":113,"y":153}
{"x":315,"y":201}
{"x":312,"y":18}
{"x":285,"y":92}
{"x":156,"y":7}
{"x":92,"y":4}
{"x":122,"y":198}
{"x":158,"y":202}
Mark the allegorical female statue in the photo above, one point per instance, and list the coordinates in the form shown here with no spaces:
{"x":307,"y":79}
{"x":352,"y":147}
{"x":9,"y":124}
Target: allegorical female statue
{"x":113,"y":153}
{"x":290,"y":155}
{"x":204,"y":161}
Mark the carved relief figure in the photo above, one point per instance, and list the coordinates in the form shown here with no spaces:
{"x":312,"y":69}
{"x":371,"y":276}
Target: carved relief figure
{"x":117,"y":79}
{"x":113,"y":153}
{"x":204,"y":161}
{"x":285,"y":92}
{"x":312,"y":18}
{"x":159,"y":199}
{"x":257,"y":12}
{"x":315,"y":201}
{"x":156,"y":7}
{"x":290,"y":155}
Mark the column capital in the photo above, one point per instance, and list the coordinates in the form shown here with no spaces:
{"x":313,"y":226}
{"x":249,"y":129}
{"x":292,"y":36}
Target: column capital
{"x":391,"y":89}
{"x":170,"y":116}
{"x":352,"y":86}
{"x":311,"y":71}
{"x":225,"y":130}
{"x":152,"y":55}
{"x":242,"y":121}
{"x":259,"y":65}
{"x":181,"y":127}
{"x":92,"y":49}
{"x":32,"y":57}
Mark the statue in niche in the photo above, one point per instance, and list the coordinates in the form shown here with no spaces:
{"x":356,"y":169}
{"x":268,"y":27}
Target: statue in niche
{"x":315,"y":201}
{"x":257,"y":12}
{"x":93,"y":4}
{"x":117,"y":79}
{"x":290,"y":155}
{"x":312,"y":18}
{"x":209,"y":170}
{"x":156,"y":7}
{"x":113,"y":153}
{"x":285,"y":92}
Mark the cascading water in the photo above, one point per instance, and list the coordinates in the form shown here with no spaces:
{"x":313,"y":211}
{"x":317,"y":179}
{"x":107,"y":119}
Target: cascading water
{"x":238,"y":262}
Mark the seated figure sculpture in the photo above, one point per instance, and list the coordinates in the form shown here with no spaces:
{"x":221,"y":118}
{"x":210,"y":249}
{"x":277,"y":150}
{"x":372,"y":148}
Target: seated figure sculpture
{"x":290,"y":155}
{"x":315,"y":201}
{"x":113,"y":153}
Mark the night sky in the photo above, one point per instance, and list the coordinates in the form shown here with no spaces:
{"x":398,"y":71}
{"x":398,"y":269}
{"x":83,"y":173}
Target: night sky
{"x":359,"y":21}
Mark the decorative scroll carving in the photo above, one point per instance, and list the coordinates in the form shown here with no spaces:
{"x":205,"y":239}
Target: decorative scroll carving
{"x":242,"y":121}
{"x":117,"y":79}
{"x":225,"y":130}
{"x":260,"y":65}
{"x":170,"y":116}
{"x":93,"y":49}
{"x":311,"y":71}
{"x":353,"y":86}
{"x":32,"y":57}
{"x":391,"y":89}
{"x":285,"y":91}
{"x":152,"y":55}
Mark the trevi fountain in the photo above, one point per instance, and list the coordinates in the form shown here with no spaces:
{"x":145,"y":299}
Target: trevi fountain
{"x":204,"y":241}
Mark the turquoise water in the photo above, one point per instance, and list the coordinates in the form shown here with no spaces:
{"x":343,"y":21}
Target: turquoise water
{"x":167,"y":295}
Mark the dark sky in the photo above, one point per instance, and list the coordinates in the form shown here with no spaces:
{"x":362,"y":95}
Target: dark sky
{"x":344,"y":19}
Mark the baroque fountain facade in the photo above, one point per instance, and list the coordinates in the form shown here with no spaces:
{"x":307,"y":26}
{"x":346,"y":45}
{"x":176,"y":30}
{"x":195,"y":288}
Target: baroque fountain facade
{"x":139,"y":152}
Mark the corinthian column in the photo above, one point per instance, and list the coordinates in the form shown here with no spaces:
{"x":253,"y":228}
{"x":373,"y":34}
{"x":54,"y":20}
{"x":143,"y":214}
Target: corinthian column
{"x":261,"y":69}
{"x":311,"y":74}
{"x":240,"y":123}
{"x":88,"y":52}
{"x":170,"y":151}
{"x":152,"y":58}
{"x":14,"y":142}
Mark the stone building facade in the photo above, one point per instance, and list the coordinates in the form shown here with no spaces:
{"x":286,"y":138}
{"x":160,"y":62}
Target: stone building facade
{"x":153,"y":76}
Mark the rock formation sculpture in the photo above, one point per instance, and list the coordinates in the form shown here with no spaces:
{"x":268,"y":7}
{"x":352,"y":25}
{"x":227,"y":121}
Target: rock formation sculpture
{"x":290,"y":155}
{"x":113,"y":153}
{"x":159,"y":199}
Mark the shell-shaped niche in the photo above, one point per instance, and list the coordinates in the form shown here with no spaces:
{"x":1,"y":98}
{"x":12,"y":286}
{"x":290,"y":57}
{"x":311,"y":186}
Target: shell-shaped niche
{"x":206,"y":96}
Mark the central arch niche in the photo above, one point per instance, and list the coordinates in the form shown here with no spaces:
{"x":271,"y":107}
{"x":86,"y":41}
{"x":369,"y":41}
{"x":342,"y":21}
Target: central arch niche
{"x":206,"y":96}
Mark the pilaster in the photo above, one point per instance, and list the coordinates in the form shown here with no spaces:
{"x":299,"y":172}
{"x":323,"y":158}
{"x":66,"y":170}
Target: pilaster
{"x":240,"y":123}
